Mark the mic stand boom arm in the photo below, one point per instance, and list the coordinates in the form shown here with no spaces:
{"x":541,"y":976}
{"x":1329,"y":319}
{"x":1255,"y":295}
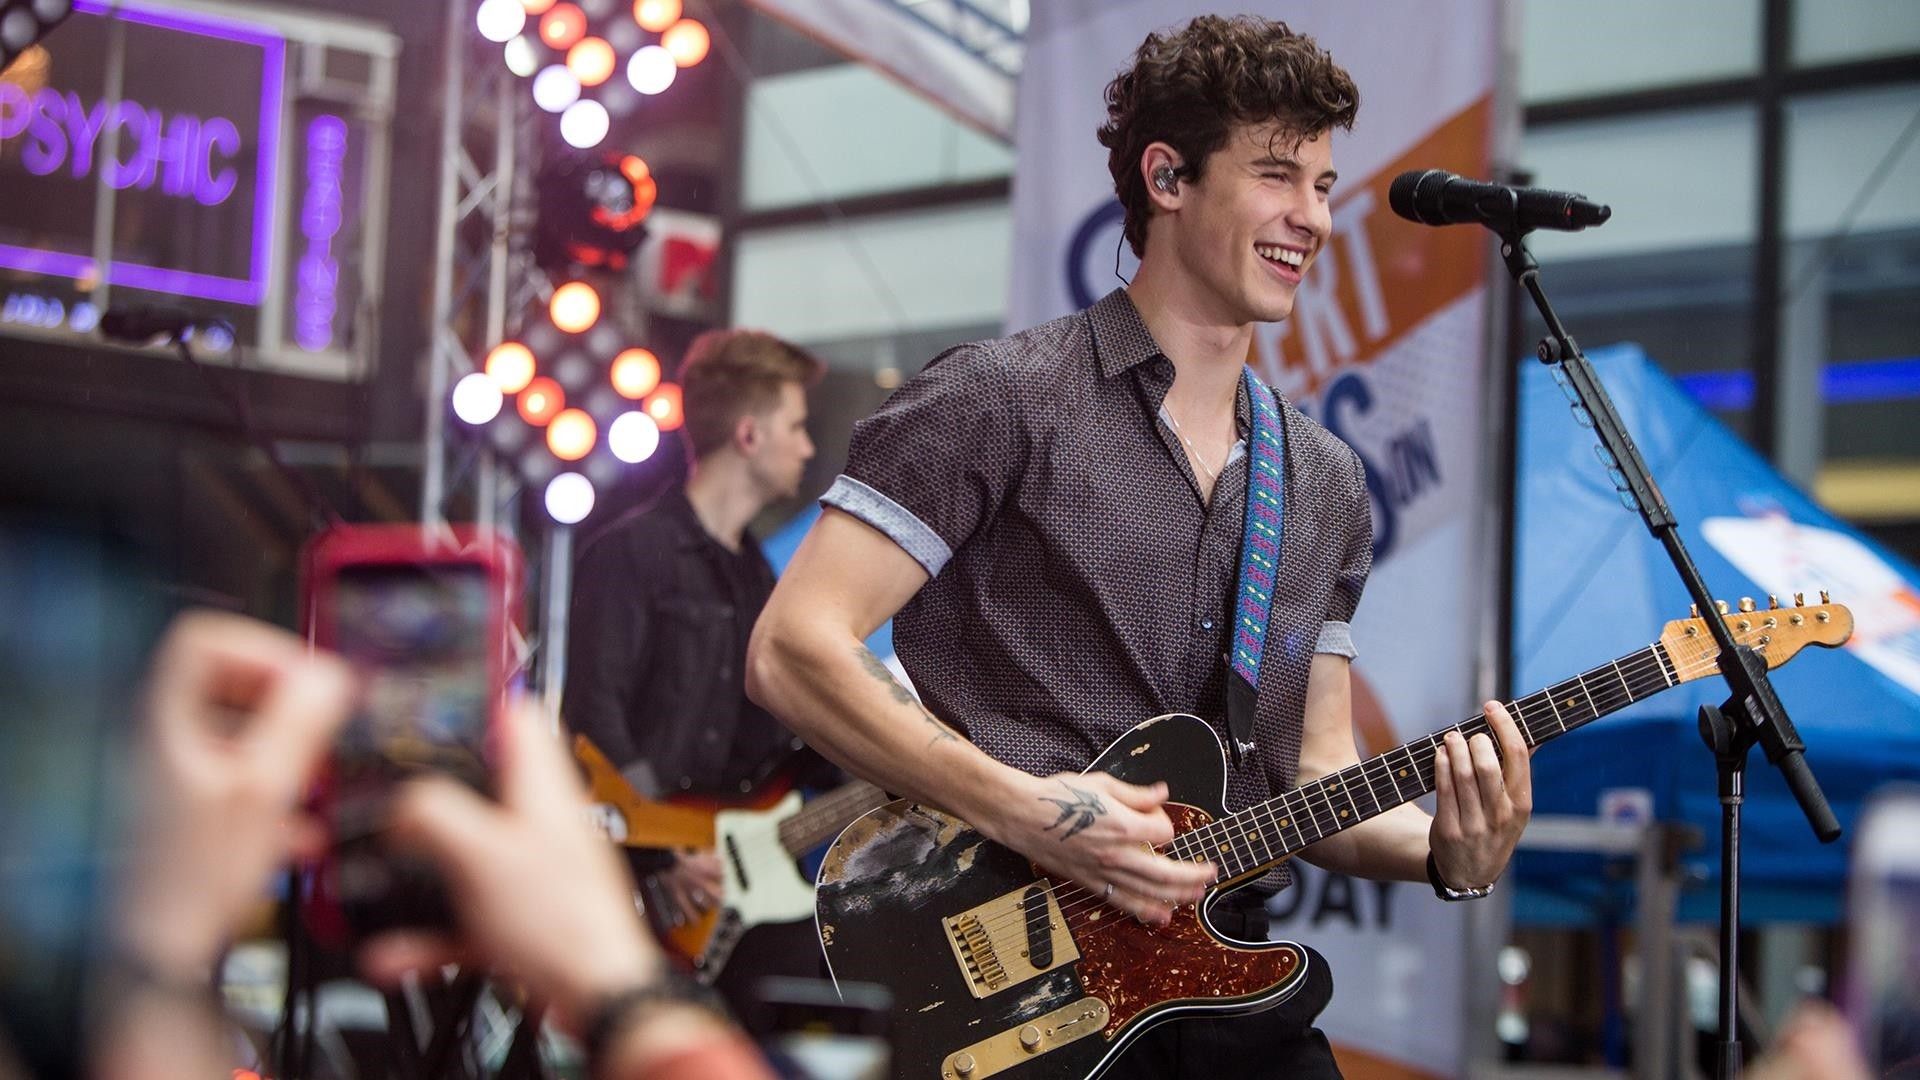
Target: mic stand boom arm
{"x":1753,"y":714}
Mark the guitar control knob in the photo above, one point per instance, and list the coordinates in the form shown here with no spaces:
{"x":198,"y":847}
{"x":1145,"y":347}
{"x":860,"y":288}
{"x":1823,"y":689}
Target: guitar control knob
{"x":1030,"y":1038}
{"x":1722,"y":605}
{"x":963,"y":1065}
{"x":1746,"y":603}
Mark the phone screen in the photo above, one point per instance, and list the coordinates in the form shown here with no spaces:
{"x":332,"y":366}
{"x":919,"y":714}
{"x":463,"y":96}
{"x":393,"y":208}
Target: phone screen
{"x":1884,"y":995}
{"x":418,"y":637}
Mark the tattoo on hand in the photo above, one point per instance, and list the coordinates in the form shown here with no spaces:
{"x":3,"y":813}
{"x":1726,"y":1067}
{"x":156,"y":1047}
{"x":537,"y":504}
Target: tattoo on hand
{"x":1081,"y":810}
{"x":942,"y":733}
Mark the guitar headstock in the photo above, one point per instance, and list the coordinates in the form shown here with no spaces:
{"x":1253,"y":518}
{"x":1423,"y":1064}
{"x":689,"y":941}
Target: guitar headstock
{"x":1777,"y":633}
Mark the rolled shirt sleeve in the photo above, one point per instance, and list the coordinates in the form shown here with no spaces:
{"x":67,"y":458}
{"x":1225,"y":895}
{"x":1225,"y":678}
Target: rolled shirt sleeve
{"x":933,"y":463}
{"x":1356,"y":562}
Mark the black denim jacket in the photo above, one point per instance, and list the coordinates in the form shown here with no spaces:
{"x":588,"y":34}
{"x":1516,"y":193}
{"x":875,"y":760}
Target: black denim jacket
{"x":657,"y":647}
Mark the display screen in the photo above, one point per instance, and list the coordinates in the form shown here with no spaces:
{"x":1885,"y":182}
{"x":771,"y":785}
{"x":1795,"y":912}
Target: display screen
{"x":418,"y":638}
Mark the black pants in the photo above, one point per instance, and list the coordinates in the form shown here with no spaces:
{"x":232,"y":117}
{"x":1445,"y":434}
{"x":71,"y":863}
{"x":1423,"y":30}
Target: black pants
{"x":1281,"y":1044}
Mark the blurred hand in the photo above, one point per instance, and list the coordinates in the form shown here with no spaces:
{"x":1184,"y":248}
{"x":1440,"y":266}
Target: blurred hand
{"x":1814,"y":1044}
{"x":238,"y":715}
{"x":695,"y":883}
{"x":538,"y":891}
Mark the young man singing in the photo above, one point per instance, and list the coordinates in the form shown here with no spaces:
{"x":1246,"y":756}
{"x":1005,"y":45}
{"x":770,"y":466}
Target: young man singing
{"x":1055,"y":520}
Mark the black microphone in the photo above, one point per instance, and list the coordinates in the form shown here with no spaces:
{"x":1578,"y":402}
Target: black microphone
{"x":1437,"y":197}
{"x":141,"y":323}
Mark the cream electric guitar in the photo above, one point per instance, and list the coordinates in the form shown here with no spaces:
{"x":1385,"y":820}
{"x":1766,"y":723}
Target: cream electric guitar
{"x":759,"y":839}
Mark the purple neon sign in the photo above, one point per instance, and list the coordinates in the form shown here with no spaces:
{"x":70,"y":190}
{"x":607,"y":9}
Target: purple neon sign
{"x":186,"y":155}
{"x":317,"y":280}
{"x":182,"y":155}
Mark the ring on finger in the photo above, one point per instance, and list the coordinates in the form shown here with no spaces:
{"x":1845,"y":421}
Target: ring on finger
{"x":1109,"y":893}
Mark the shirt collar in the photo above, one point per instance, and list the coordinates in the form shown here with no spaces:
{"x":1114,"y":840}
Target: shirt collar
{"x":1120,"y":337}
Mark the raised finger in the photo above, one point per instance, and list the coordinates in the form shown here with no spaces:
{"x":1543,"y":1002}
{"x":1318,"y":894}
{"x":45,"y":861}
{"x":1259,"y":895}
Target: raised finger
{"x":1466,"y":791}
{"x":1492,"y":783}
{"x":296,"y":722}
{"x":1516,"y":760}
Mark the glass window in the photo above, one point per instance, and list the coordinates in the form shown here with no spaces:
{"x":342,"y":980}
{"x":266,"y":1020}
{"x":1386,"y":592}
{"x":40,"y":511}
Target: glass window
{"x":854,"y":132}
{"x":1837,"y":30}
{"x":876,"y":276}
{"x":1837,"y":147}
{"x":1679,"y":180}
{"x":1571,"y":50}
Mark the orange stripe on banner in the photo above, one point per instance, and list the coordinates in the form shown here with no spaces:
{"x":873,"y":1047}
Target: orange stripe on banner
{"x":1360,"y":1065}
{"x":1381,"y":276}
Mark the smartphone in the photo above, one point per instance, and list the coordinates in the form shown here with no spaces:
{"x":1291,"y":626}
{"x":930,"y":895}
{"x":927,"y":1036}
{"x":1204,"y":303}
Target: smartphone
{"x":425,"y":618}
{"x":1883,"y":963}
{"x":812,"y":1030}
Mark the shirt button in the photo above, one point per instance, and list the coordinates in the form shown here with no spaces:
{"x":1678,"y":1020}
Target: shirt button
{"x":1206,"y":624}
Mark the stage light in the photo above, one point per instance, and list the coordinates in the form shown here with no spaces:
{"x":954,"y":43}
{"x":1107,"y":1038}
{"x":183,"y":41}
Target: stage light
{"x":688,"y":41}
{"x":656,"y":15}
{"x":665,"y":407}
{"x":591,"y":61}
{"x":476,"y":399}
{"x":584,"y":125}
{"x":635,"y":374}
{"x":575,"y":307}
{"x":521,"y":57}
{"x":510,"y":366}
{"x":22,"y":24}
{"x":569,"y":498}
{"x":562,"y":26}
{"x":536,"y":7}
{"x":500,"y":20}
{"x":590,"y":214}
{"x":541,"y":400}
{"x":555,"y":88}
{"x":571,"y":434}
{"x":633,"y":437}
{"x":651,"y":69}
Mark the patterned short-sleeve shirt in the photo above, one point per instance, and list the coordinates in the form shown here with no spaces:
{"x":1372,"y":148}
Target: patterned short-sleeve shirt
{"x":1080,"y":584}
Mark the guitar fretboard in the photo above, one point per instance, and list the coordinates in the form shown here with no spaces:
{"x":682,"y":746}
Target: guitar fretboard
{"x":1261,"y":836}
{"x":817,"y":821}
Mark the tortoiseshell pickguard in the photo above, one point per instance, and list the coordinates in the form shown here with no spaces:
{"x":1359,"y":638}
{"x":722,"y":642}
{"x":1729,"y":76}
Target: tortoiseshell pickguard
{"x":1134,"y":968}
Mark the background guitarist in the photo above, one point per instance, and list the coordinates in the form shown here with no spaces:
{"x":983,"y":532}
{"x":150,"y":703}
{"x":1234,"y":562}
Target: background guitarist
{"x":664,"y":599}
{"x":1054,"y":522}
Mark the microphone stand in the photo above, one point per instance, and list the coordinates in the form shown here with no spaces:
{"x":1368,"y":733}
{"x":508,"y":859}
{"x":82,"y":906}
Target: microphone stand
{"x":1753,"y":714}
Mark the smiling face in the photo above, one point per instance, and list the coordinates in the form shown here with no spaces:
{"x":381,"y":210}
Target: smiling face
{"x":1247,"y":230}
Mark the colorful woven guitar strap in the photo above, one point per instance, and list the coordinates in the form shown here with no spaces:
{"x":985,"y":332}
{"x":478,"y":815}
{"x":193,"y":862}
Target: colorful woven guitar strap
{"x":1259,"y":565}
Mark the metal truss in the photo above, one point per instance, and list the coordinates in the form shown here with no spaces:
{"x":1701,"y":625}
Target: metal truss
{"x":483,"y":270}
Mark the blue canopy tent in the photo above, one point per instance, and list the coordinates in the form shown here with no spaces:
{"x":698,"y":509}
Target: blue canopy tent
{"x":1591,"y":585}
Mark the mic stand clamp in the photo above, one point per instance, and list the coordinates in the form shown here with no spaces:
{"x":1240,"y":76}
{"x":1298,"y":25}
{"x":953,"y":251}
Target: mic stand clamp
{"x":1753,"y":714}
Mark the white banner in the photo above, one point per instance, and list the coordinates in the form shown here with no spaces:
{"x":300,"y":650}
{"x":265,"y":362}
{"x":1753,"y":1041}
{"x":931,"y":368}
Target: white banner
{"x":1386,"y":348}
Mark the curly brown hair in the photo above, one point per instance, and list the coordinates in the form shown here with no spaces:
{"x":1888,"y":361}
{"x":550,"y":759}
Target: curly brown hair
{"x":728,"y":374}
{"x":1191,"y":87}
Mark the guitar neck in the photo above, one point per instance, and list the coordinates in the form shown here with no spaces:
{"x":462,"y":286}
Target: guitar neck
{"x":1257,"y":838}
{"x":821,"y":819}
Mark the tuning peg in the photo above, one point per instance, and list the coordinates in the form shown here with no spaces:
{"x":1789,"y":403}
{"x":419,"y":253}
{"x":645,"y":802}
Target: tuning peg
{"x":1799,"y":599}
{"x":1746,"y":603}
{"x":1722,"y":605}
{"x":1693,"y":611}
{"x":1824,"y":598}
{"x":1773,"y":602}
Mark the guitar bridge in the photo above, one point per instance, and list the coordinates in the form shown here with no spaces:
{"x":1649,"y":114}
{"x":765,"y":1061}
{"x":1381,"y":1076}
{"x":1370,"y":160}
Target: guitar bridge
{"x":1010,"y":939}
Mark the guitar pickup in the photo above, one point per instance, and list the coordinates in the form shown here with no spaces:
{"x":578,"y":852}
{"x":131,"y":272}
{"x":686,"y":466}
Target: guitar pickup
{"x":1010,"y":939}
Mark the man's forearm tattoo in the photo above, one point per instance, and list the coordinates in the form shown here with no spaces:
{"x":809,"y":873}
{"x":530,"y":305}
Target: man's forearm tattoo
{"x":877,"y":669}
{"x":1081,"y":810}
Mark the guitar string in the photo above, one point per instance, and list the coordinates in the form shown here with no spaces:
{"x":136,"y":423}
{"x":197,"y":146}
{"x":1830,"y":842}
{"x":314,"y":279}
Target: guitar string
{"x":1653,"y":660}
{"x":1652,"y":656}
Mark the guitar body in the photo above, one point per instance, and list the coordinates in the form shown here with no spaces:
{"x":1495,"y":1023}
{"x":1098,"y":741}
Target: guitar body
{"x":763,"y":885}
{"x":998,"y":970}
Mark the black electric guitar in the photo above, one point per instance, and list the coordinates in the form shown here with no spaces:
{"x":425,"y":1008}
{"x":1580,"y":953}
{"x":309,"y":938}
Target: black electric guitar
{"x":997,"y":968}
